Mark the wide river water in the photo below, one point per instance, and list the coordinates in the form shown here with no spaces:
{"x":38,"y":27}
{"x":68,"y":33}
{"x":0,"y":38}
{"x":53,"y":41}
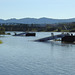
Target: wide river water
{"x":22,"y":56}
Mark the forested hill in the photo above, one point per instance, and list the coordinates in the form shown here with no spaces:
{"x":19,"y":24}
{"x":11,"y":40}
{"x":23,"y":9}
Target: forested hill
{"x":37,"y":21}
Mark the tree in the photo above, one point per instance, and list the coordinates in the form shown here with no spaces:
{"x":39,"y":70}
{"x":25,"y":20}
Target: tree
{"x":2,"y":30}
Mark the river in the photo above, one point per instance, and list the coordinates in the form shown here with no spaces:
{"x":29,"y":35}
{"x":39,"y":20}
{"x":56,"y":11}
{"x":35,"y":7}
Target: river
{"x":22,"y":56}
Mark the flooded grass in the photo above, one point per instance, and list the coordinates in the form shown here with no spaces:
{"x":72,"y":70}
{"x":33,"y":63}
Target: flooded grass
{"x":1,"y":42}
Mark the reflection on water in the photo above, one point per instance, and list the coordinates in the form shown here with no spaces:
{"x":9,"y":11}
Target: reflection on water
{"x":58,"y":43}
{"x":22,"y":56}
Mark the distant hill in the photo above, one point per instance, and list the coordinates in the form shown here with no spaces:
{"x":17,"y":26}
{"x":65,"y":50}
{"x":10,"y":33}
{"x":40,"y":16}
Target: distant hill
{"x":37,"y":21}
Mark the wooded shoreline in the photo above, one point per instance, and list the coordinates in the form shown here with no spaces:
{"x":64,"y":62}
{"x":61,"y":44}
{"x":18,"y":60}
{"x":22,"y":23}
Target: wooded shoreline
{"x":63,"y":27}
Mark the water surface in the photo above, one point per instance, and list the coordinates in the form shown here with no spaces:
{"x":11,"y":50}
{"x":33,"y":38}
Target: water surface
{"x":23,"y":56}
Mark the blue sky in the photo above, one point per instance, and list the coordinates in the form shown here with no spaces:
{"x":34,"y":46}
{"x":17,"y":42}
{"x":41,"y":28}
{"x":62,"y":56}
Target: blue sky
{"x":58,"y":9}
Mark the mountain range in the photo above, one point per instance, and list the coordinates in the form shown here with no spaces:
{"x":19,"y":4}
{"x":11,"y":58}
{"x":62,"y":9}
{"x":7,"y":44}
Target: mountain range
{"x":37,"y":21}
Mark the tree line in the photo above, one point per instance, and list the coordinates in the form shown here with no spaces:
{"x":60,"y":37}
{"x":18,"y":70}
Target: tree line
{"x":27,"y":27}
{"x":60,"y":27}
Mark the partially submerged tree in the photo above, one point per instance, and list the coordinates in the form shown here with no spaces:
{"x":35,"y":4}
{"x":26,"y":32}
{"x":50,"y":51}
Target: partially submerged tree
{"x":2,"y":30}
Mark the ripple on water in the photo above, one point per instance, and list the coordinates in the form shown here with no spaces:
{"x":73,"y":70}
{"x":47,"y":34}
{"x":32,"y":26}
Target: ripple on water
{"x":21,"y":56}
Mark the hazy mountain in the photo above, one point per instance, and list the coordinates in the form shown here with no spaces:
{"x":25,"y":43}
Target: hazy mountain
{"x":37,"y":21}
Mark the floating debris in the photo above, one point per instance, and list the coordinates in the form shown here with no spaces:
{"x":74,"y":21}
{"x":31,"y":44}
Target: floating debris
{"x":25,"y":34}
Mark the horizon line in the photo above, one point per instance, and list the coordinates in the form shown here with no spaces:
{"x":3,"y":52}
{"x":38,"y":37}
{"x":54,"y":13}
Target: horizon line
{"x":37,"y":18}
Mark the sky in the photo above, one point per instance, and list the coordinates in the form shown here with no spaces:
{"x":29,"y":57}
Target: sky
{"x":57,"y":9}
